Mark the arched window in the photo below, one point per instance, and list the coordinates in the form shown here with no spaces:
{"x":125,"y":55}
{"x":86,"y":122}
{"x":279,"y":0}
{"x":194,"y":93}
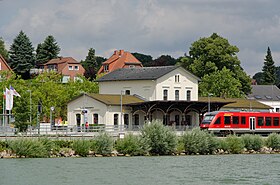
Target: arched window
{"x":95,"y":118}
{"x":165,"y":94}
{"x":176,"y":94}
{"x":116,"y":119}
{"x":188,"y":95}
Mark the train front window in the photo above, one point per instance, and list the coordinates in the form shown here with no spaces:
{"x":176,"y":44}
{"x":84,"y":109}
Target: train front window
{"x":218,"y":121}
{"x":207,"y":119}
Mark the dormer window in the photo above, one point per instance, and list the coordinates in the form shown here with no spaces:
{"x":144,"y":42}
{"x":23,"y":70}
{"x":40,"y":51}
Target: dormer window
{"x":76,"y":68}
{"x":131,"y":66}
{"x":70,"y":68}
{"x":106,"y":68}
{"x":177,"y":78}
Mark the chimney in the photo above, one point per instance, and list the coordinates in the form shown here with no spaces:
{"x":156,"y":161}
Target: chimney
{"x":116,"y":52}
{"x":121,"y":52}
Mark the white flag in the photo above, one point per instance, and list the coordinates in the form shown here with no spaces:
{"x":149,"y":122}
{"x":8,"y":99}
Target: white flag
{"x":14,"y":92}
{"x":9,"y":99}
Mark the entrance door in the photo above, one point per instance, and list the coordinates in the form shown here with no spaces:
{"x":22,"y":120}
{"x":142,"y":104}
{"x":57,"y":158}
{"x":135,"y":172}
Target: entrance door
{"x":252,"y":123}
{"x":177,"y":119}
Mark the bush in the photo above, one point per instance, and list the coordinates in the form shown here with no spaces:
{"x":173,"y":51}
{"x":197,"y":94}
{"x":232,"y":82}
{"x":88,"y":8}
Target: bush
{"x":3,"y":145}
{"x":130,"y":144}
{"x":158,"y":138}
{"x":103,"y":144}
{"x":81,"y":147}
{"x":252,"y":142}
{"x":199,"y":142}
{"x":234,"y":144}
{"x":273,"y":141}
{"x":28,"y":148}
{"x":63,"y":143}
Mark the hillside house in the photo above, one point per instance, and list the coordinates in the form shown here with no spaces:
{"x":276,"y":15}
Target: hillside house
{"x":120,"y":59}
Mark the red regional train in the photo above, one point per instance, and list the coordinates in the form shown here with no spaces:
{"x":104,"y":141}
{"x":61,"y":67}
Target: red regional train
{"x":230,"y":122}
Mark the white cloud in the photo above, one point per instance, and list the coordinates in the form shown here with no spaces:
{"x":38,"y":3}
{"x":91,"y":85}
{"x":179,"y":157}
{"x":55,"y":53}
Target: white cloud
{"x":148,"y":26}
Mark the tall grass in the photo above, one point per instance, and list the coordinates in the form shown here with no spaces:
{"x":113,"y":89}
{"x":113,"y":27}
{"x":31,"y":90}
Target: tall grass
{"x":81,"y":147}
{"x":28,"y":147}
{"x":273,"y":141}
{"x":130,"y":144}
{"x":159,"y":139}
{"x":103,"y":144}
{"x":252,"y":142}
{"x":234,"y":144}
{"x":199,"y":142}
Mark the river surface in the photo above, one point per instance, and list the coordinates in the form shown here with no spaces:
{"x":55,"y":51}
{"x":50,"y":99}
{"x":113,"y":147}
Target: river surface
{"x":173,"y":170}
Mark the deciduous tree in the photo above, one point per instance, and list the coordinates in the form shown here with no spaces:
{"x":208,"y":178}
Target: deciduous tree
{"x":212,"y":54}
{"x":3,"y":50}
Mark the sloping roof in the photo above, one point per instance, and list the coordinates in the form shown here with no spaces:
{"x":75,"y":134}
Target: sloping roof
{"x":265,"y":92}
{"x":119,"y":60}
{"x":111,"y":99}
{"x":3,"y":61}
{"x":238,"y":103}
{"x":61,"y":60}
{"x":144,"y":73}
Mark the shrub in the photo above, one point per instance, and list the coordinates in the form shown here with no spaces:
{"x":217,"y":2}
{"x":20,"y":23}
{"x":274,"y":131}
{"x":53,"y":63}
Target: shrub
{"x":28,"y":148}
{"x":234,"y":144}
{"x":49,"y":145}
{"x":3,"y":145}
{"x":103,"y":144}
{"x":63,"y":143}
{"x":252,"y":142}
{"x":273,"y":141}
{"x":199,"y":141}
{"x":158,"y":138}
{"x":130,"y":144}
{"x":81,"y":147}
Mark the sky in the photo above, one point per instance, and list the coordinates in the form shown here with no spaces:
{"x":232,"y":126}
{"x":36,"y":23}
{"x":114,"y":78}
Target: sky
{"x":152,"y":27}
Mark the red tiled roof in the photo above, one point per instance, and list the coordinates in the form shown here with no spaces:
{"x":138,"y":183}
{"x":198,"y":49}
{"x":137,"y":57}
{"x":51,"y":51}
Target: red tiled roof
{"x":120,"y":59}
{"x":3,"y":61}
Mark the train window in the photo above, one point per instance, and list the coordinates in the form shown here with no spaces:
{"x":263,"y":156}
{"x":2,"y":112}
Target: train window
{"x":227,"y":120}
{"x":268,"y":121}
{"x":235,"y":119}
{"x":243,"y":120}
{"x":260,"y":121}
{"x":276,"y":121}
{"x":218,"y":121}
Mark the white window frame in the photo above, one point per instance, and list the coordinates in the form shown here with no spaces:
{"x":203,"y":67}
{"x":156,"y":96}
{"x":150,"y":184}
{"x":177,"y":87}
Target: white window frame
{"x":70,"y":68}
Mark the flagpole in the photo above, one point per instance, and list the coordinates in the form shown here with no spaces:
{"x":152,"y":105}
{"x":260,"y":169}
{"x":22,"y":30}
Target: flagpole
{"x":3,"y":118}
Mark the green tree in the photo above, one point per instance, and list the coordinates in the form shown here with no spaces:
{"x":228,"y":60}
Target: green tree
{"x":164,"y":60}
{"x":3,"y":50}
{"x":90,"y":65}
{"x":218,"y":82}
{"x":258,"y":77}
{"x":146,"y":60}
{"x":21,"y":55}
{"x":212,"y":54}
{"x":46,"y":51}
{"x":269,"y":69}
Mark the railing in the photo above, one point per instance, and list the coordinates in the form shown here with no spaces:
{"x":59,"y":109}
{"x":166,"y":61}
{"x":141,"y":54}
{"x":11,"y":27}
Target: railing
{"x":49,"y":130}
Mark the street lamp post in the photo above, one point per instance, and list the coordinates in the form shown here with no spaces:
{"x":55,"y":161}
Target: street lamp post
{"x":121,"y":125}
{"x":30,"y":106}
{"x":209,"y":104}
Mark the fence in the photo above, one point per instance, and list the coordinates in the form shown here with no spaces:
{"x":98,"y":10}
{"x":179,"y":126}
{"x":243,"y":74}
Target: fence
{"x":47,"y":129}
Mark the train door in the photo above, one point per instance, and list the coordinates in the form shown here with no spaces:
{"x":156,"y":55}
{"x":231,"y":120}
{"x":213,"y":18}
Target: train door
{"x":252,"y":123}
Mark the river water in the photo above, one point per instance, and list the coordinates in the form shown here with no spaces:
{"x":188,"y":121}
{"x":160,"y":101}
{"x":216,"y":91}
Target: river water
{"x":173,"y":170}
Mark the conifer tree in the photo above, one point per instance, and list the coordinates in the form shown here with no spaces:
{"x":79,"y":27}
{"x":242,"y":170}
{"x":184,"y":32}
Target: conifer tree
{"x":3,"y":50}
{"x":21,"y":55}
{"x":269,"y":69}
{"x":90,"y":65}
{"x":47,"y":50}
